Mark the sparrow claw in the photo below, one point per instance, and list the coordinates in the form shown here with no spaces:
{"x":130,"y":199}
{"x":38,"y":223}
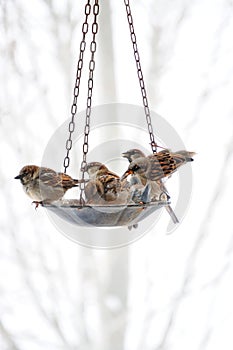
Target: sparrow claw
{"x":132,"y":226}
{"x":37,"y":203}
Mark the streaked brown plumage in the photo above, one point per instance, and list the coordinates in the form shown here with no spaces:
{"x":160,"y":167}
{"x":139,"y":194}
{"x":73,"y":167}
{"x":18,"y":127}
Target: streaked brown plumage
{"x":154,"y":168}
{"x":159,"y":165}
{"x":155,"y":189}
{"x":44,"y":184}
{"x":104,"y":185}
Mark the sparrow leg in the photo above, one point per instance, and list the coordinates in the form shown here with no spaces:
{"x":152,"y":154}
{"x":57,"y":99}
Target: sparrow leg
{"x":37,"y":203}
{"x":132,"y":226}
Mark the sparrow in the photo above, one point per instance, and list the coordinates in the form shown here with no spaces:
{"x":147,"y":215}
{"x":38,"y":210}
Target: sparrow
{"x":104,"y":185}
{"x":154,"y":168}
{"x":44,"y":185}
{"x":159,"y":165}
{"x":155,"y":188}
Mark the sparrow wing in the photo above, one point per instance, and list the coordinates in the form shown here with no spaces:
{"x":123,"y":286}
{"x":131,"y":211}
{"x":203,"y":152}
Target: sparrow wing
{"x":176,"y":160}
{"x":106,"y":173}
{"x":165,"y":163}
{"x":67,"y":181}
{"x":111,"y":173}
{"x":162,"y":165}
{"x":49,"y":177}
{"x":168,"y":163}
{"x":54,"y":179}
{"x":110,"y":180}
{"x":158,"y":167}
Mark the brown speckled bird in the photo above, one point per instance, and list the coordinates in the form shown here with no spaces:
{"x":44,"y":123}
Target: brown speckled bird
{"x":154,"y":168}
{"x":104,"y":185}
{"x":159,"y":165}
{"x":44,"y":185}
{"x":155,"y":189}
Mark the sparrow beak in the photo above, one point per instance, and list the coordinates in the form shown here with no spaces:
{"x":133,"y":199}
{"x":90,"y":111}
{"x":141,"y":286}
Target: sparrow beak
{"x":126,"y":174}
{"x":125,"y":154}
{"x":18,"y":177}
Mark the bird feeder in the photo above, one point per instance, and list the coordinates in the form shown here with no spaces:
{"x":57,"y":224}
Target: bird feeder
{"x":77,"y":211}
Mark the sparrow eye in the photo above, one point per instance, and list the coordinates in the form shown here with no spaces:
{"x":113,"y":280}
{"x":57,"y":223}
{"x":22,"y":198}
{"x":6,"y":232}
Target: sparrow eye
{"x":136,"y":167}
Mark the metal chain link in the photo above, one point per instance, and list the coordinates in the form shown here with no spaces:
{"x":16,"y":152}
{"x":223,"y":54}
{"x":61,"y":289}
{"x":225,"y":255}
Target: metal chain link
{"x":89,"y":97}
{"x":69,"y":142}
{"x":140,"y":77}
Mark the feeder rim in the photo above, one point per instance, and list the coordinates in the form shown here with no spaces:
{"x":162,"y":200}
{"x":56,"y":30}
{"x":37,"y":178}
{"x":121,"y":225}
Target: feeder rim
{"x":136,"y":205}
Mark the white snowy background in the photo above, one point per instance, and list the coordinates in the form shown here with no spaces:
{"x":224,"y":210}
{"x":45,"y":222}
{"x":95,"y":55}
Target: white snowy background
{"x":164,"y":292}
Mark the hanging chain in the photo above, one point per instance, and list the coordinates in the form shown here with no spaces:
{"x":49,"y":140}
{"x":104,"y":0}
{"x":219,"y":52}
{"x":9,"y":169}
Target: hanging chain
{"x":140,"y":76}
{"x":89,"y":97}
{"x":69,"y":142}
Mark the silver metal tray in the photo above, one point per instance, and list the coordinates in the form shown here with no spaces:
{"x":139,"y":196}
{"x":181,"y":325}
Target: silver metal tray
{"x":103,"y":216}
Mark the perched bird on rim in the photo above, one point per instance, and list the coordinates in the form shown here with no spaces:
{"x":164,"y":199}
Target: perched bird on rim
{"x":104,"y":185}
{"x":158,"y":166}
{"x":44,"y":185}
{"x":154,"y":168}
{"x":156,"y":193}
